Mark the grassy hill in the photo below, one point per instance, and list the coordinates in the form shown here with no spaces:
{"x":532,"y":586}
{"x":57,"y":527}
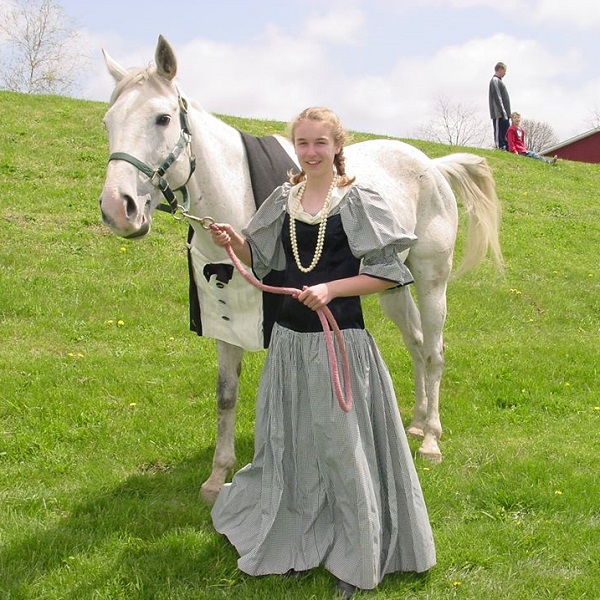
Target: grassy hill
{"x":107,"y":411}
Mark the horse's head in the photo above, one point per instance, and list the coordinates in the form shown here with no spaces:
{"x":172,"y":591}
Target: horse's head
{"x":149,"y":143}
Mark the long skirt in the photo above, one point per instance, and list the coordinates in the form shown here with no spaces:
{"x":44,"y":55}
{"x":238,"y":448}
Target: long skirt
{"x":325,"y":486}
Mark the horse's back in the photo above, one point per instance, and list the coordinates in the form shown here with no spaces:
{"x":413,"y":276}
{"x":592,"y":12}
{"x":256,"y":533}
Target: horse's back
{"x":406,"y":177}
{"x":386,"y":146}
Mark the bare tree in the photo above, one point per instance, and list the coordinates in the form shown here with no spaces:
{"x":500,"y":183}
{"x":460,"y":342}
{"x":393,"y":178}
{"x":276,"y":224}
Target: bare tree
{"x":594,"y":118}
{"x":38,"y":48}
{"x":455,"y":124}
{"x":539,"y":135}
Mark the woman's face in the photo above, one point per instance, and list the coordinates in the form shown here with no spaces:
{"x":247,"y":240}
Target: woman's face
{"x":315,"y":147}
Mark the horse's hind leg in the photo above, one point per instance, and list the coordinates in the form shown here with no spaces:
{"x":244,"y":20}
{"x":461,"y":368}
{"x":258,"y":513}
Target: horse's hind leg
{"x":431,"y":298}
{"x":230,"y":364}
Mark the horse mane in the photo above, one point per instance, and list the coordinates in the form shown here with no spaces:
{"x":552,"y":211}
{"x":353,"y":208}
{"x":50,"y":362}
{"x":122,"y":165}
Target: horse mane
{"x":136,"y":77}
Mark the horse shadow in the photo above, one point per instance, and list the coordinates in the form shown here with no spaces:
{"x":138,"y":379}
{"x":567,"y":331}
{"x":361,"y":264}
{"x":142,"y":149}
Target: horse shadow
{"x":152,"y":532}
{"x":148,"y":536}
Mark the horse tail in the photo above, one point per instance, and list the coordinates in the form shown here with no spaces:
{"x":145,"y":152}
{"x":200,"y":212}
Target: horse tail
{"x":471,"y":179}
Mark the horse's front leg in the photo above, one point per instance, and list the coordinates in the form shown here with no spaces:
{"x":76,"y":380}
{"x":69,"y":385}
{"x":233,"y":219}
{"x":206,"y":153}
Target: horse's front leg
{"x":230,"y":366}
{"x":422,"y":330}
{"x":400,"y":307}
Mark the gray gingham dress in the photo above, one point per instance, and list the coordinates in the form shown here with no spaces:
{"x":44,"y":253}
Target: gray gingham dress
{"x":326,"y":487}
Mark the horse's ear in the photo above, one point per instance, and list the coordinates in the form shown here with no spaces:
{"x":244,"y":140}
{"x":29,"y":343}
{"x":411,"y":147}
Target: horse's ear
{"x":166,"y":63}
{"x":114,"y":68}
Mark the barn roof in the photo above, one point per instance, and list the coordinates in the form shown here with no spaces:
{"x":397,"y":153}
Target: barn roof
{"x":570,"y":141}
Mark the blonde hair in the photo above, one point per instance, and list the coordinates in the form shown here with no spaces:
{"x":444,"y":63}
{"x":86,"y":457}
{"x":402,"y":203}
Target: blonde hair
{"x":340,"y":138}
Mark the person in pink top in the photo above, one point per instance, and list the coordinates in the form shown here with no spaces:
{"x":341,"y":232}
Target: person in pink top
{"x":516,"y":141}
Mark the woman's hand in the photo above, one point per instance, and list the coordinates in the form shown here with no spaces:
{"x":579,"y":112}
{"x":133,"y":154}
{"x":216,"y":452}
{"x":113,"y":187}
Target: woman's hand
{"x":315,"y":296}
{"x":222,"y":233}
{"x":318,"y":296}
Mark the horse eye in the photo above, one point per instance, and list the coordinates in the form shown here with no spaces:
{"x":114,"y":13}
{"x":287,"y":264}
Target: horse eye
{"x":163,"y":120}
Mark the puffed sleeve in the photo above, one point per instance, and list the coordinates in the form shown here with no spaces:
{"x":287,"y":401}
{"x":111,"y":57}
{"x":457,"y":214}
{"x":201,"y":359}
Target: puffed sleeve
{"x":263,"y":233}
{"x":375,"y":235}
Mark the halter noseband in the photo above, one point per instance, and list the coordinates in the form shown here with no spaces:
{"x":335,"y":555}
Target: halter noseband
{"x":157,"y":176}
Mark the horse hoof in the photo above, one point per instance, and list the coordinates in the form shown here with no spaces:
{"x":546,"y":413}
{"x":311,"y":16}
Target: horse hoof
{"x":209,"y":495}
{"x":415,"y":432}
{"x":433,"y":456}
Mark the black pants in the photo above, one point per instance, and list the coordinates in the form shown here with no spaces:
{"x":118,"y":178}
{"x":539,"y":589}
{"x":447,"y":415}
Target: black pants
{"x":500,"y":128}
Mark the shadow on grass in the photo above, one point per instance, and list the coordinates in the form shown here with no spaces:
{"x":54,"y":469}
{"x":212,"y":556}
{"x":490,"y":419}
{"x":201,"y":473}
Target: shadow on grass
{"x":152,"y":534}
{"x":150,"y":537}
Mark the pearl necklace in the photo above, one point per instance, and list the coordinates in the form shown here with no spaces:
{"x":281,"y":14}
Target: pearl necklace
{"x":322,"y":227}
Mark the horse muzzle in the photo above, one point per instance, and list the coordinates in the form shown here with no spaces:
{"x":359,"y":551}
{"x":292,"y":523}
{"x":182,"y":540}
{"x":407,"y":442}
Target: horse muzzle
{"x":126,"y":216}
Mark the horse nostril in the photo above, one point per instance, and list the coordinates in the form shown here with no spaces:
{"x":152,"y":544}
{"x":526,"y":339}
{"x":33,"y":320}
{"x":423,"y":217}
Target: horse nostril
{"x":130,"y":207}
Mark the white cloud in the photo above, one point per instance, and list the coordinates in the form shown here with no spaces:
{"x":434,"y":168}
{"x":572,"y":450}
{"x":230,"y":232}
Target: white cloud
{"x":278,"y":73}
{"x":343,"y":26}
{"x":582,"y":14}
{"x":273,"y":78}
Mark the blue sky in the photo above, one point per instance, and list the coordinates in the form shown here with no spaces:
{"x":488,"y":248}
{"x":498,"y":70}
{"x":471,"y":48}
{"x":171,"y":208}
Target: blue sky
{"x":381,"y":64}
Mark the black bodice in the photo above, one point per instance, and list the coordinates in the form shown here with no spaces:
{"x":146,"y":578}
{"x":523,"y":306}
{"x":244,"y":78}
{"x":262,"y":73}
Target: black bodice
{"x":336,"y":262}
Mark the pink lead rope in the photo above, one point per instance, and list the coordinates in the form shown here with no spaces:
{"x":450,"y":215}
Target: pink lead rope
{"x":327,"y":320}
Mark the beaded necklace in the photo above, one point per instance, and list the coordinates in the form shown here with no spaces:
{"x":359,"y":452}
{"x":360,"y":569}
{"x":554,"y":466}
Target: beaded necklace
{"x":322,"y":227}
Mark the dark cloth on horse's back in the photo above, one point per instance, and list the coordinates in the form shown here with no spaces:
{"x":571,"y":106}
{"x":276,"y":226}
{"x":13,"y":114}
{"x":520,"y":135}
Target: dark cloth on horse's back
{"x":269,"y":165}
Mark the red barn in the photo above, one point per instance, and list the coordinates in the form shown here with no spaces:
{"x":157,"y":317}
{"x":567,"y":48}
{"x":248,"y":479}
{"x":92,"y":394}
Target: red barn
{"x":582,"y":148}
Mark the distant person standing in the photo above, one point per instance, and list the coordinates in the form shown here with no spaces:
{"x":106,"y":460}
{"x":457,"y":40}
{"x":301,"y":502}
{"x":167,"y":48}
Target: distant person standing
{"x":499,"y":106}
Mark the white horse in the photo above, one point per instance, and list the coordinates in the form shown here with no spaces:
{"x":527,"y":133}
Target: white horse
{"x":156,"y":138}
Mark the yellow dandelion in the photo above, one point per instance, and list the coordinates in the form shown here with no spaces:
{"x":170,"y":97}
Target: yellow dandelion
{"x":426,"y":469}
{"x":122,"y":249}
{"x":457,"y":583}
{"x":171,"y":339}
{"x":109,"y":322}
{"x":120,"y":323}
{"x":133,"y":404}
{"x":557,"y":492}
{"x":597,"y":408}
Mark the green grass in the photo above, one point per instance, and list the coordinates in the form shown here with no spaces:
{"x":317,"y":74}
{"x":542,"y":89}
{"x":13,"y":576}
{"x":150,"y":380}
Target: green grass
{"x":107,"y":411}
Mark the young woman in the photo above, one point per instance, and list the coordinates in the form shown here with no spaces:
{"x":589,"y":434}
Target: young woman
{"x":325,"y":486}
